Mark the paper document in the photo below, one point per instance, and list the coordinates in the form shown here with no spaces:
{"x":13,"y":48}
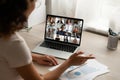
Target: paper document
{"x":89,"y":71}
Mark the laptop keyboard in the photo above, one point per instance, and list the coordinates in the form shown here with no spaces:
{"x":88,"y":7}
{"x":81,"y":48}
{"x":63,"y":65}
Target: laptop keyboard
{"x":57,"y":46}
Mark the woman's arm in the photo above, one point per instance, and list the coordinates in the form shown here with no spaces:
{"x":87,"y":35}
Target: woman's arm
{"x":46,"y":60}
{"x":28,"y":72}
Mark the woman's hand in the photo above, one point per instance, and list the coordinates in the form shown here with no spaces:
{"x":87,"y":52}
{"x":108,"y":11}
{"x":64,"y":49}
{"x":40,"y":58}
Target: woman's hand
{"x":44,"y":60}
{"x":78,"y":58}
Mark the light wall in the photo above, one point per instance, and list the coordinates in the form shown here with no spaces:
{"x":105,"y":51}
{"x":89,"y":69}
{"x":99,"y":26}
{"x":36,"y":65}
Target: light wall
{"x":61,"y":7}
{"x":38,"y":15}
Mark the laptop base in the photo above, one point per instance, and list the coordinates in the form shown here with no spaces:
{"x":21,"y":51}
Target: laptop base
{"x":53,"y":52}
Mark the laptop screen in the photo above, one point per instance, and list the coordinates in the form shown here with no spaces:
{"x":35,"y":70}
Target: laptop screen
{"x":63,"y":29}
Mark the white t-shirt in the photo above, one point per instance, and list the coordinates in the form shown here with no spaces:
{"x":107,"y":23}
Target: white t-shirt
{"x":68,"y":28}
{"x":14,"y":53}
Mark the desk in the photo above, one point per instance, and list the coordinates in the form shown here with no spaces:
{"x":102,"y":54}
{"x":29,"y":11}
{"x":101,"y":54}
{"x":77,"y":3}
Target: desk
{"x":91,"y":43}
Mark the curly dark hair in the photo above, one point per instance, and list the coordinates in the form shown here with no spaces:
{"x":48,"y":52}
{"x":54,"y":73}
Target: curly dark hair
{"x":11,"y":15}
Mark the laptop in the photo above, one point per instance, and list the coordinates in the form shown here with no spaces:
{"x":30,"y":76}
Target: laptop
{"x":62,"y":36}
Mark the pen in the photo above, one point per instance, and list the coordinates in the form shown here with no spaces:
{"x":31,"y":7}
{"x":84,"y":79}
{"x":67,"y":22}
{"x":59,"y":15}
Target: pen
{"x":111,"y":32}
{"x":76,"y":67}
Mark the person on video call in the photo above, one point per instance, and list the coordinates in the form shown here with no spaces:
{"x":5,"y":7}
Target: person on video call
{"x":77,"y":28}
{"x":15,"y":56}
{"x":69,"y":27}
{"x":61,"y":31}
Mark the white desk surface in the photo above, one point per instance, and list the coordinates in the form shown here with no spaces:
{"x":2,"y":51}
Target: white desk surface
{"x":91,"y":43}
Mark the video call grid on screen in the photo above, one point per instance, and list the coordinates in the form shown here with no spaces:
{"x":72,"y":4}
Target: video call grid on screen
{"x":63,"y":29}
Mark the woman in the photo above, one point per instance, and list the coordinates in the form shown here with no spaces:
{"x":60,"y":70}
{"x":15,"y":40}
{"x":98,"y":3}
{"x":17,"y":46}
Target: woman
{"x":15,"y":57}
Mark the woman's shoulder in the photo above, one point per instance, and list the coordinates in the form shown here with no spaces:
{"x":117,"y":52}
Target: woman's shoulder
{"x":15,"y":38}
{"x":14,"y":42}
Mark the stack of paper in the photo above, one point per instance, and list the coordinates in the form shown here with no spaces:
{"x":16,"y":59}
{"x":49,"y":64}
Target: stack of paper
{"x":89,"y":71}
